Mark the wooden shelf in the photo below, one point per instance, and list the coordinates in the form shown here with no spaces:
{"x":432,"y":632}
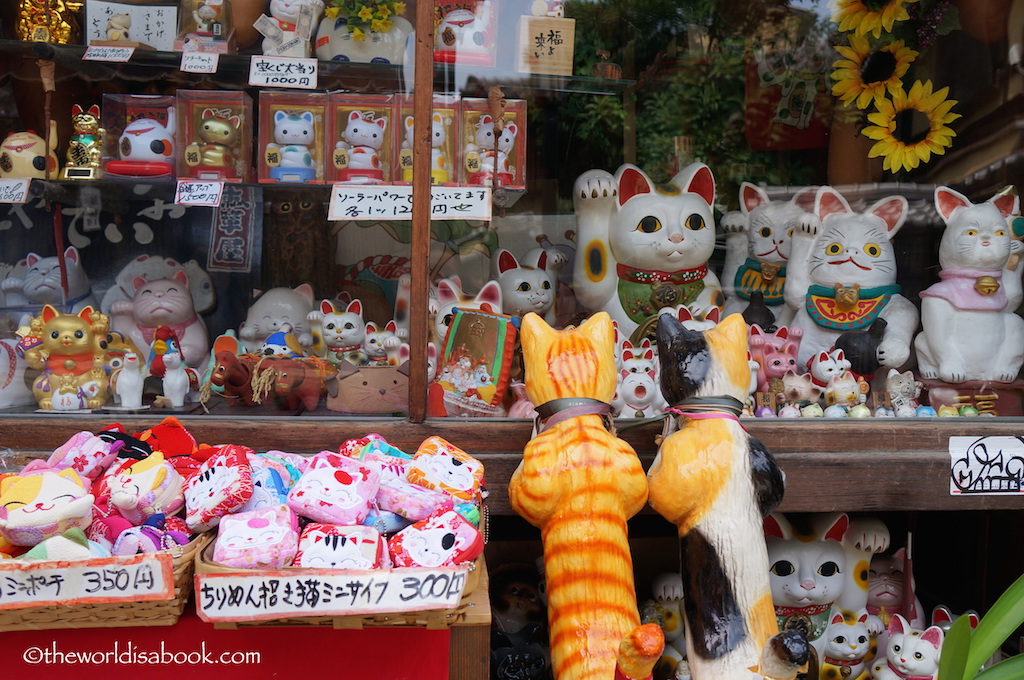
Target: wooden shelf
{"x":850,"y":465}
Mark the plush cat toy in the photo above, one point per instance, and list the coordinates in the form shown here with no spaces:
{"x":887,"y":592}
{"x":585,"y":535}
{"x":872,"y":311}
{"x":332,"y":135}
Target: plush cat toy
{"x":716,"y":484}
{"x":642,"y":246}
{"x":969,"y":328}
{"x":164,"y":302}
{"x":41,"y":502}
{"x":139,"y":489}
{"x":576,"y":474}
{"x":222,"y":485}
{"x":842,"y":276}
{"x":757,"y":249}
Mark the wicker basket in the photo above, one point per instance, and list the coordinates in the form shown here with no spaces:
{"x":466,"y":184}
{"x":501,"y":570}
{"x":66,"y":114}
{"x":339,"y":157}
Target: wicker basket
{"x":114,"y":614}
{"x":461,"y":615}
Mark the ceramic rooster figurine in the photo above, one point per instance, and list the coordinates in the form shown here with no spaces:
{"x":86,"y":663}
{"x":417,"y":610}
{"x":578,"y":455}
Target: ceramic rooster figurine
{"x":579,"y":484}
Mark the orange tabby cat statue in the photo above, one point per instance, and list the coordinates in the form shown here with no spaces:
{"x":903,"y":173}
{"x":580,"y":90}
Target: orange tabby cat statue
{"x":717,"y":484}
{"x":578,"y":483}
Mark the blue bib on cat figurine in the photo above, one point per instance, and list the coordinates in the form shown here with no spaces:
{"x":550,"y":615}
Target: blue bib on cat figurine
{"x":760,"y":277}
{"x":824,"y":309}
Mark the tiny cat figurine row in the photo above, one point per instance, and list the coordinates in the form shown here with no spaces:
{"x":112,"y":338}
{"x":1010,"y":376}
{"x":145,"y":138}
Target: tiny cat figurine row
{"x":644,"y":246}
{"x":842,"y":276}
{"x":969,"y":327}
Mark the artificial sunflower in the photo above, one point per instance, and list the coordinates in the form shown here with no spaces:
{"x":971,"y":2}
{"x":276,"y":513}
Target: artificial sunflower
{"x":898,"y":152}
{"x":866,"y":75}
{"x":870,"y":16}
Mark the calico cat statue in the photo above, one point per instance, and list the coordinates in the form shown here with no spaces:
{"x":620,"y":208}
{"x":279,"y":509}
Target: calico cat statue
{"x":716,"y":484}
{"x":970,"y":330}
{"x":842,"y":276}
{"x":579,"y":484}
{"x":644,"y":246}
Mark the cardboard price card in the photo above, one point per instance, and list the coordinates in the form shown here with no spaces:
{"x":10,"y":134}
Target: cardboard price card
{"x":138,"y":578}
{"x":258,"y":595}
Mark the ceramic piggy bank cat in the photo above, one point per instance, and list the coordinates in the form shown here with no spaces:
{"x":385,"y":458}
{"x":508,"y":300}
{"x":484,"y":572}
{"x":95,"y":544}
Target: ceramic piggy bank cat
{"x":842,"y":276}
{"x":644,"y":247}
{"x":757,"y":248}
{"x":336,"y":42}
{"x":969,"y":328}
{"x":67,"y":349}
{"x":164,"y":302}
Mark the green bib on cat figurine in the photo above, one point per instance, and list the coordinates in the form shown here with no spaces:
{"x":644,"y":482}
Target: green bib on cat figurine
{"x":643,"y":293}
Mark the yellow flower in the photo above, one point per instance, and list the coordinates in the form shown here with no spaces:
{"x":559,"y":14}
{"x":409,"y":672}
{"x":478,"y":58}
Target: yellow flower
{"x":905,"y":155}
{"x":332,"y":12}
{"x":357,"y":33}
{"x":380,"y":25}
{"x":864,"y":16}
{"x":383,"y":12}
{"x":865,"y":75}
{"x":365,"y":13}
{"x":399,"y":7}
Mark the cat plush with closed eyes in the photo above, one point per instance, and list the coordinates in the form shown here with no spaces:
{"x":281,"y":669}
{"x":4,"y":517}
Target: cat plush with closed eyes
{"x":842,"y":276}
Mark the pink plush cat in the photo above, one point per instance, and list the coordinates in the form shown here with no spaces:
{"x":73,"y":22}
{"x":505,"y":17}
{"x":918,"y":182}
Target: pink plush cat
{"x":164,"y":302}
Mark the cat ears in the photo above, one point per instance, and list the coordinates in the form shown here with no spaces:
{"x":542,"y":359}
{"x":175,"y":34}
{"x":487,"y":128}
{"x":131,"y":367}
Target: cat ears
{"x":899,"y":625}
{"x":597,"y":327}
{"x":507,"y":261}
{"x":892,"y":210}
{"x":947,"y":200}
{"x":695,"y":179}
{"x":827,"y":527}
{"x":838,"y":617}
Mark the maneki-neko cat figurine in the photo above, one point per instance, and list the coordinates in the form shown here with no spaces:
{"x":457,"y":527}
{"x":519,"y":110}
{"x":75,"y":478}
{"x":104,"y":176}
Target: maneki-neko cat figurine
{"x":969,"y":327}
{"x":642,"y":246}
{"x":842,"y":276}
{"x":85,"y":148}
{"x":67,"y":349}
{"x":579,"y":484}
{"x":716,"y":484}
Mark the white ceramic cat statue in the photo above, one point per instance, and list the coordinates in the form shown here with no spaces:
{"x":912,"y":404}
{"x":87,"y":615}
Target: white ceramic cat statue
{"x":643,"y":247}
{"x":450,"y":297}
{"x":847,"y":644}
{"x":969,"y":328}
{"x":524,"y":288}
{"x":911,"y":654}
{"x":338,"y":334}
{"x":40,"y":283}
{"x":757,"y":248}
{"x":164,"y":302}
{"x":153,"y":267}
{"x":274,"y":308}
{"x":842,"y":276}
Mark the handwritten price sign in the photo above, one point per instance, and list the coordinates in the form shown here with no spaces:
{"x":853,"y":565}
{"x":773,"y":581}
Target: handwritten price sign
{"x":199,"y":62}
{"x":324,"y":592}
{"x":986,"y":465}
{"x":103,"y":53}
{"x":200,"y":193}
{"x":270,"y":71}
{"x":386,"y":202}
{"x":14,"y":190}
{"x":106,"y":579}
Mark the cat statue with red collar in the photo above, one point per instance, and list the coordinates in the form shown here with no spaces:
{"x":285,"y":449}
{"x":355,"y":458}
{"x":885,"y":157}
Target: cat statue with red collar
{"x":969,"y":328}
{"x":644,"y":246}
{"x":842,"y":276}
{"x":912,"y":654}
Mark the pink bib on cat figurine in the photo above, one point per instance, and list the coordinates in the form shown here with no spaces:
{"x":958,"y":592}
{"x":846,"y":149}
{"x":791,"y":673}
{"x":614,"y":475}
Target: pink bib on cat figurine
{"x":335,"y":489}
{"x":411,"y":500}
{"x":37,"y":505}
{"x":330,"y":546}
{"x":85,"y":453}
{"x":259,"y":539}
{"x":443,"y":539}
{"x":222,"y":485}
{"x":139,"y":489}
{"x":442,"y":466}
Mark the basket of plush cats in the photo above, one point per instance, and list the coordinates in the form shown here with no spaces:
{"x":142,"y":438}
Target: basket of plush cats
{"x":90,"y":536}
{"x":365,"y":536}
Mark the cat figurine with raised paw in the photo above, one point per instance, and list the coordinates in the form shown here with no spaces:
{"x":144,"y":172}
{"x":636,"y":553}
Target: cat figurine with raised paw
{"x":644,"y":246}
{"x":969,"y":328}
{"x":842,"y":276}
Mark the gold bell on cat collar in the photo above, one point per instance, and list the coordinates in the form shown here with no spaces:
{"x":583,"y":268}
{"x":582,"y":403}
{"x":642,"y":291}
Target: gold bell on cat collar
{"x":986,"y":285}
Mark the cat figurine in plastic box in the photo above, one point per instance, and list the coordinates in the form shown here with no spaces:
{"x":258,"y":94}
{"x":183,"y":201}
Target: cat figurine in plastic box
{"x":642,"y":246}
{"x":842,"y":276}
{"x":970,"y":330}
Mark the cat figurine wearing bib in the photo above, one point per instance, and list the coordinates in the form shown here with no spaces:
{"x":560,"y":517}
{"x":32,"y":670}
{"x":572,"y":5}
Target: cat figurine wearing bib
{"x":758,"y":238}
{"x":644,"y":246}
{"x":842,"y":276}
{"x":970,"y":330}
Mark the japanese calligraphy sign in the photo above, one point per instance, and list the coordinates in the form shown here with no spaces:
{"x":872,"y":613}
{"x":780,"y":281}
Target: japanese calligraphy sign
{"x":268,"y":71}
{"x":260,"y":595}
{"x":386,"y":202}
{"x":153,"y":23}
{"x":986,"y":466}
{"x":106,"y":579}
{"x":546,"y":45}
{"x":199,"y":62}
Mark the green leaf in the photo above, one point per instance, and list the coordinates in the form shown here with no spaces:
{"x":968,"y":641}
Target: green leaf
{"x":1007,"y":669}
{"x":955,"y":646}
{"x":998,"y":623}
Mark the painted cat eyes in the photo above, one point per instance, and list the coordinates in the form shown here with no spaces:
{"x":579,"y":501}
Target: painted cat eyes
{"x":783,"y":568}
{"x":873,"y":249}
{"x":649,"y":225}
{"x":694,"y":222}
{"x":833,"y":248}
